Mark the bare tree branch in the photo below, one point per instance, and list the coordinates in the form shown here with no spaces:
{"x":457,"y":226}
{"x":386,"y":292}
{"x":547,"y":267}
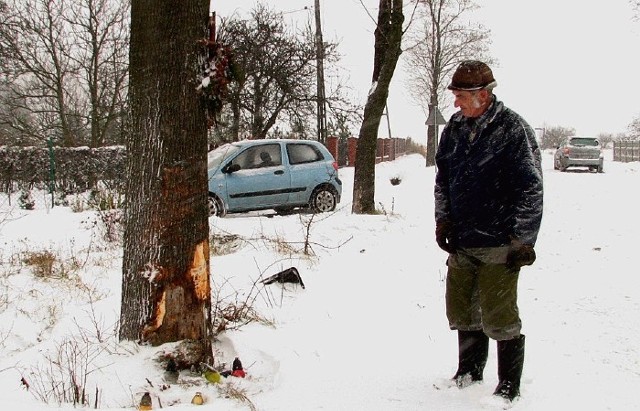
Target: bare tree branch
{"x":444,"y":37}
{"x":65,"y":66}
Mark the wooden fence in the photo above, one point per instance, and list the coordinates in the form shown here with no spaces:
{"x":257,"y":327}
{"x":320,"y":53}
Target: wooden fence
{"x":344,"y":150}
{"x":626,"y":150}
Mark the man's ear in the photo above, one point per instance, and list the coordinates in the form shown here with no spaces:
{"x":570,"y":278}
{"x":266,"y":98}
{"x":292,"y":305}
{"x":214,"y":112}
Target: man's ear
{"x":484,"y":95}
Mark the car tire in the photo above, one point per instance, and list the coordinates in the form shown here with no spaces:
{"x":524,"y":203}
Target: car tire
{"x":323,"y":199}
{"x":600,"y":168}
{"x":216,"y":207}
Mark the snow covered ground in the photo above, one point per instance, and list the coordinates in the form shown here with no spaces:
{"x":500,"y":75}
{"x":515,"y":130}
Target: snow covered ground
{"x":367,"y":333}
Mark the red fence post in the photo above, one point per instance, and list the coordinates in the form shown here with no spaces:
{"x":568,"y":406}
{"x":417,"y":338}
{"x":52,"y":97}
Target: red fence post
{"x":391,"y":143}
{"x":352,"y":145}
{"x":332,"y":146}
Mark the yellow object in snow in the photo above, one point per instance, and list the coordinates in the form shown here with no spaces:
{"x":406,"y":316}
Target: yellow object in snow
{"x":197,"y":399}
{"x":145,"y":402}
{"x":213,"y":376}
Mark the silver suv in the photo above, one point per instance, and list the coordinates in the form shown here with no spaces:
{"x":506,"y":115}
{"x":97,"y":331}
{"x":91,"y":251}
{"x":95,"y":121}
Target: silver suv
{"x":579,"y":152}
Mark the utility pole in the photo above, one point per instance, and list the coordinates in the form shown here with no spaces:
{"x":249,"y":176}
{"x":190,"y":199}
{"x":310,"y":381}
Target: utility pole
{"x":322,"y":114}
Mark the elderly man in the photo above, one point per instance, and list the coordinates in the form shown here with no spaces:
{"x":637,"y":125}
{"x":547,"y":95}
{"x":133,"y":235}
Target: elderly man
{"x":488,"y":209}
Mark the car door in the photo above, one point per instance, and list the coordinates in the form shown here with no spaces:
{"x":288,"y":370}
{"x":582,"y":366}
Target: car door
{"x":307,"y":170}
{"x":261,"y":182}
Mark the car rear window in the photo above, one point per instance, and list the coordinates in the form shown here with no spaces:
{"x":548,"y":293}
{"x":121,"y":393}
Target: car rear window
{"x":303,"y":153}
{"x":580,"y":141}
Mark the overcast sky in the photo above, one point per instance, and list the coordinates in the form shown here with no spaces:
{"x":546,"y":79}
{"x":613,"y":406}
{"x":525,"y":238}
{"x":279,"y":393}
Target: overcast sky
{"x":565,"y":63}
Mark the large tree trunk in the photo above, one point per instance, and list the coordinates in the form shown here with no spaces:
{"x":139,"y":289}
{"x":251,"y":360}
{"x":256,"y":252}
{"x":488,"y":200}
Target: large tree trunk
{"x":388,"y":38}
{"x":166,"y":294}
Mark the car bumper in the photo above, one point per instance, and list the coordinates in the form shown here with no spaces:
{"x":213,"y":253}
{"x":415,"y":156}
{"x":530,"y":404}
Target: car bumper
{"x":568,"y":162}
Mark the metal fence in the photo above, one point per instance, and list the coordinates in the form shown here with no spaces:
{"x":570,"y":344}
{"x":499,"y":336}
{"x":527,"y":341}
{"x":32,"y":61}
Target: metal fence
{"x":626,"y":150}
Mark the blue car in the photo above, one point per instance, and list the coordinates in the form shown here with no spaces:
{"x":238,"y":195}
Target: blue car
{"x":272,"y":174}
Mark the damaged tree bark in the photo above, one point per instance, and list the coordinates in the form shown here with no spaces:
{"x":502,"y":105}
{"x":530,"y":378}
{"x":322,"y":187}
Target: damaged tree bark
{"x":166,"y":294}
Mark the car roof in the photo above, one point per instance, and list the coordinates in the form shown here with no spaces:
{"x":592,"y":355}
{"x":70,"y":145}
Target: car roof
{"x":272,"y":140}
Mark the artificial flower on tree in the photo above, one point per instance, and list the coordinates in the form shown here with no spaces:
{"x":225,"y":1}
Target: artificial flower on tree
{"x":219,"y":71}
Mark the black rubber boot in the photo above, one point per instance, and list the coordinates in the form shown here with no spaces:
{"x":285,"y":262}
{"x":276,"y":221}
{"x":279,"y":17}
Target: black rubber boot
{"x":473,"y":349}
{"x":510,"y":363}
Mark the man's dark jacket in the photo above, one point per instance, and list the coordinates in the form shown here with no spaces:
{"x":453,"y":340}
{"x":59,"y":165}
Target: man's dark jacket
{"x":489,"y":188}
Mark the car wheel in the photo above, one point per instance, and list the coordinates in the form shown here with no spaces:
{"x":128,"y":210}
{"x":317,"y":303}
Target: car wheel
{"x":216,"y":208}
{"x":600,"y":168}
{"x":323,"y":199}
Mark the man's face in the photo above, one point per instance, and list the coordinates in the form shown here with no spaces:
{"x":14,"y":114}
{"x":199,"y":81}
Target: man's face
{"x":471,"y":103}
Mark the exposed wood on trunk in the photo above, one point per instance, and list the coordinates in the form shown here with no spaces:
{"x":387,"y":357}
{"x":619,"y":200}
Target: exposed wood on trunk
{"x":166,"y":295}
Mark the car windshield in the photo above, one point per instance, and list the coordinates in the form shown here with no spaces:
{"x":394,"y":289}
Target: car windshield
{"x":582,"y":141}
{"x":217,"y":156}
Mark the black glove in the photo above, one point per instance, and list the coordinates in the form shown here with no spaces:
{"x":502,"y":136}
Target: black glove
{"x":520,"y":255}
{"x":444,"y":236}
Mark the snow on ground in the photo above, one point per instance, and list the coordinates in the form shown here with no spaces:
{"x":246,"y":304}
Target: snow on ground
{"x":367,"y":333}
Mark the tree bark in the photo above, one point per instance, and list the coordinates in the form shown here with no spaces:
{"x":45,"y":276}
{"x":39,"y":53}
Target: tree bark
{"x":166,"y":294}
{"x":388,"y":39}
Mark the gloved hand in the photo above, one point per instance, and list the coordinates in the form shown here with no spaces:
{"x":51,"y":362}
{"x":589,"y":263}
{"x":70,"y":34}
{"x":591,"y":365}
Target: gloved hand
{"x":520,"y":254}
{"x":444,"y":235}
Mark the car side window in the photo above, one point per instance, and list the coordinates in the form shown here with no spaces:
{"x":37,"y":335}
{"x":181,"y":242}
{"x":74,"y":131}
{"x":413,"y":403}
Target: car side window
{"x":300,"y":153}
{"x":266,"y":155}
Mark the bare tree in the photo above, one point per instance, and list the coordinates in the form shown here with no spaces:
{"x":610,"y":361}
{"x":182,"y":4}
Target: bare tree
{"x":279,"y":72}
{"x":635,"y":4}
{"x":277,"y":67}
{"x":102,"y":38}
{"x":65,"y":63}
{"x":634,"y":128}
{"x":37,"y":46}
{"x":15,"y":120}
{"x":166,"y":293}
{"x":555,"y":136}
{"x":388,"y":39}
{"x":605,"y":139}
{"x":443,"y":37}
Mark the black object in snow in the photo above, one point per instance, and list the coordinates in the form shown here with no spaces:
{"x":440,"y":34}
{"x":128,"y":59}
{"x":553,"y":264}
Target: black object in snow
{"x":290,"y":275}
